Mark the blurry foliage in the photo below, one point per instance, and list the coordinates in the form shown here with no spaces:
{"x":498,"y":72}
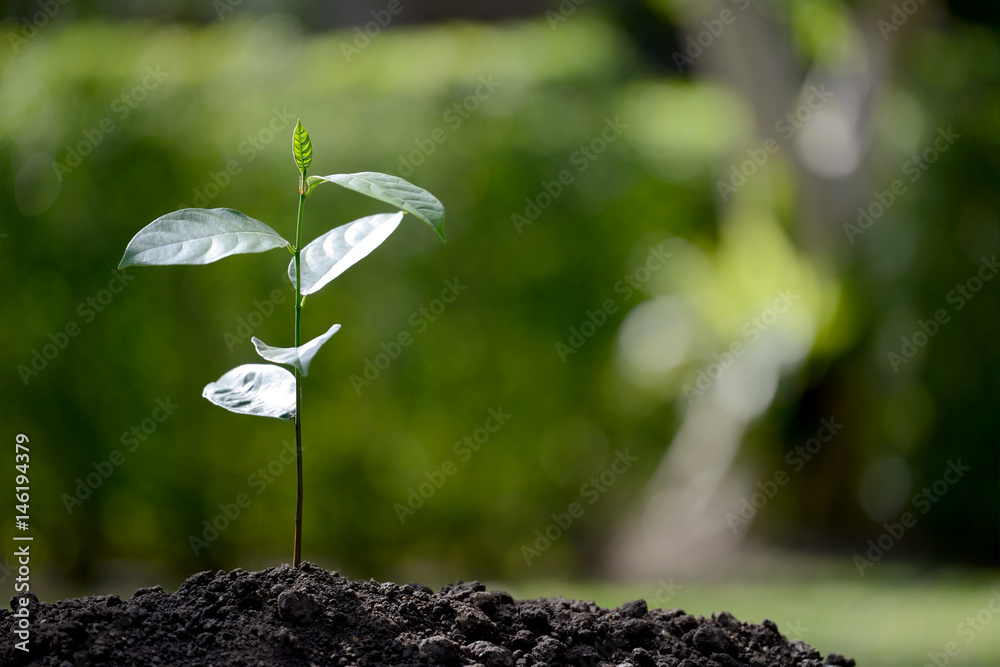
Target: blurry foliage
{"x":231,"y":96}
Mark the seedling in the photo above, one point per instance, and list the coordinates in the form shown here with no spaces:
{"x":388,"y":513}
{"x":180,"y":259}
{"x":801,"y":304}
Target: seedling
{"x":201,"y":236}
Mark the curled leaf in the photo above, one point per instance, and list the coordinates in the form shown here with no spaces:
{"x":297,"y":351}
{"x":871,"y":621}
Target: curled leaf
{"x":300,"y":357}
{"x":255,"y":389}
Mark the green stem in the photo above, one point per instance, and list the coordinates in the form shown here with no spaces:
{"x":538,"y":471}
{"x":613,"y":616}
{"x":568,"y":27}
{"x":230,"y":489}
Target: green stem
{"x":297,"y":551}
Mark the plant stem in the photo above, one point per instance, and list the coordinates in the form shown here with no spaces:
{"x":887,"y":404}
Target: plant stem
{"x":297,"y":550}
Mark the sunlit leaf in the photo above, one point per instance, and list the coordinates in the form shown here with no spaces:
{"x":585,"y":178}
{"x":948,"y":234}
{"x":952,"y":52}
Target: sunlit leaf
{"x":392,"y":190}
{"x":255,"y":389}
{"x":199,"y":236}
{"x":300,"y":357}
{"x":302,"y":147}
{"x":331,"y":254}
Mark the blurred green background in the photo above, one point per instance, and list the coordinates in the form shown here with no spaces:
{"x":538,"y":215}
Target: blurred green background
{"x":631,"y":188}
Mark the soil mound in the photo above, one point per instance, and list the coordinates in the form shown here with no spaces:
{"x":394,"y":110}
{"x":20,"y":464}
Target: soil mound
{"x":311,"y":617}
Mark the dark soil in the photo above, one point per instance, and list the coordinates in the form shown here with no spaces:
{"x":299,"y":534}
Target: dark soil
{"x":308,"y":616}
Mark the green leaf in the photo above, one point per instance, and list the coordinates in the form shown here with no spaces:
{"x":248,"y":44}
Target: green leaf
{"x":199,"y":236}
{"x":255,"y":389}
{"x":393,"y":190}
{"x":302,"y":147}
{"x":300,"y":357}
{"x":312,"y":182}
{"x":331,"y":254}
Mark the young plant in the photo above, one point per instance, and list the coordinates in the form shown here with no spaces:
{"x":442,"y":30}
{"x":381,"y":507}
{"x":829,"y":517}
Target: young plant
{"x":201,"y":236}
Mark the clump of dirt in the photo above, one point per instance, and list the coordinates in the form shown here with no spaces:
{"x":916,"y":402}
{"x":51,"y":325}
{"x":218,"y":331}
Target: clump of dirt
{"x":310,"y":617}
